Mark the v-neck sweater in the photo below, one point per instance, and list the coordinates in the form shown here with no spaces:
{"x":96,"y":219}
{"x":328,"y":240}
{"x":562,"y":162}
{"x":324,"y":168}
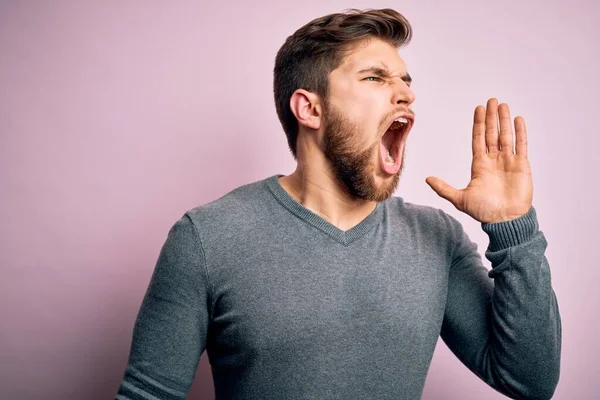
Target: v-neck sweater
{"x":288,"y":306}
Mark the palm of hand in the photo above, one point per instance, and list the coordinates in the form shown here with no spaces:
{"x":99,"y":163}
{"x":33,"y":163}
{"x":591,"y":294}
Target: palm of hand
{"x":501,"y":186}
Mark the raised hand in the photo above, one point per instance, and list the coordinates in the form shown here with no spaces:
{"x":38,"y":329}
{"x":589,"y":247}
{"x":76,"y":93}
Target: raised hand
{"x":501,"y":186}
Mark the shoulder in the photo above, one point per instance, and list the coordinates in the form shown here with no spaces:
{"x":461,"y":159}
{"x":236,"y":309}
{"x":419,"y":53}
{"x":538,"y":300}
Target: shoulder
{"x":427,"y":223}
{"x":420,"y":215}
{"x":236,"y":199}
{"x":233,"y":211}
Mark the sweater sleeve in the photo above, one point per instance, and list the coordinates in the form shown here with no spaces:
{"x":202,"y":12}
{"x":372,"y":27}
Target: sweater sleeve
{"x":171,"y":327}
{"x":504,"y":325}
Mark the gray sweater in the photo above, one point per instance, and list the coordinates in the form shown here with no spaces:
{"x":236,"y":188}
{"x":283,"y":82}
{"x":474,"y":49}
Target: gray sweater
{"x":288,"y":306}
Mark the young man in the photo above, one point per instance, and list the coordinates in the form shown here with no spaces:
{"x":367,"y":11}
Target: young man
{"x":321,"y":284}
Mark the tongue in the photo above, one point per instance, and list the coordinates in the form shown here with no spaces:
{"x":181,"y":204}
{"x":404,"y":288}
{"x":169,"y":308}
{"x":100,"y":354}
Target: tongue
{"x":386,"y":166}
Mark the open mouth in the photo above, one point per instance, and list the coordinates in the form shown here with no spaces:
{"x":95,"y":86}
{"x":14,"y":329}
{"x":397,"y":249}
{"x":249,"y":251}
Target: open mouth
{"x":392,"y":144}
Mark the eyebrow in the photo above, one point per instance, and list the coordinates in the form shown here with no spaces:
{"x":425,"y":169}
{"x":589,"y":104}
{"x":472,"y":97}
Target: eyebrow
{"x":384,"y":73}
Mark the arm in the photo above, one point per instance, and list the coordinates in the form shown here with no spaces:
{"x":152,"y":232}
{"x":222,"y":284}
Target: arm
{"x":170,"y":330}
{"x":507,"y":329}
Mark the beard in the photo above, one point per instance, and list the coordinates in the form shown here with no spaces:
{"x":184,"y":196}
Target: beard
{"x":354,"y":167}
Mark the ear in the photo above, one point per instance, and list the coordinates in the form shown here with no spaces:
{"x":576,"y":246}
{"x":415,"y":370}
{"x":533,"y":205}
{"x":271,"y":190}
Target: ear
{"x":306,"y":106}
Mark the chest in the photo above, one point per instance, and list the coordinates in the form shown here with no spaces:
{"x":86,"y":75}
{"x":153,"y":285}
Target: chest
{"x":272,"y":302}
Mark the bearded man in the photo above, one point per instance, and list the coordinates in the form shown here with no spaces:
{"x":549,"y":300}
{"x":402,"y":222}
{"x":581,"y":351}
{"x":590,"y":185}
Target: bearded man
{"x":322,"y":284}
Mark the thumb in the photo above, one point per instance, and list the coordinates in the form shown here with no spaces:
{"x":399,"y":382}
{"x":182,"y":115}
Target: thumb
{"x":444,"y":190}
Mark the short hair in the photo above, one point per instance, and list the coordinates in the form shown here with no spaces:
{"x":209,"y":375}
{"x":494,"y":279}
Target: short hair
{"x":308,"y":56}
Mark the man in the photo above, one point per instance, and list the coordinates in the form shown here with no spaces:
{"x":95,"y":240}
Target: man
{"x":321,"y":284}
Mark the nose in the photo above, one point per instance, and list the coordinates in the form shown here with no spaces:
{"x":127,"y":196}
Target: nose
{"x":402,"y":93}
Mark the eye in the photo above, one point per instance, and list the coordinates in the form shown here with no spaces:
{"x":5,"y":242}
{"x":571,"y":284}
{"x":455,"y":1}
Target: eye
{"x":373,"y":79}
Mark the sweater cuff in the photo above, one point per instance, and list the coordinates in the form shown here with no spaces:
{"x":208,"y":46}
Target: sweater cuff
{"x":511,"y":233}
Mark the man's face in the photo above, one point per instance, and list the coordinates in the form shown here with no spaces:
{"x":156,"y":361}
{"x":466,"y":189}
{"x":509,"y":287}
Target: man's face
{"x":367,"y":92}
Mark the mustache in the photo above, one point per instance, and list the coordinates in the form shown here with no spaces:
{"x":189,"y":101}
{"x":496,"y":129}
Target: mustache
{"x":387,"y":120}
{"x":401,"y":110}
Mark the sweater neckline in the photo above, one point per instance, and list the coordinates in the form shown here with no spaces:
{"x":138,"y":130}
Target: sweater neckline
{"x":311,"y":218}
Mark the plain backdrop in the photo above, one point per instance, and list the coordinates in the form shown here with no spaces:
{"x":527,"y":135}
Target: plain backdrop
{"x":118,"y":116}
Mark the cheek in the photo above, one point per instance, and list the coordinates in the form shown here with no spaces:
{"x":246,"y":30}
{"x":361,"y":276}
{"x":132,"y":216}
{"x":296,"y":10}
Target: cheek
{"x":363,"y":99}
{"x":365,"y":110}
{"x":371,"y":112}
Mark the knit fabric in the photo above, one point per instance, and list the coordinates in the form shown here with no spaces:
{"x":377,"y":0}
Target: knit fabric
{"x":288,"y":306}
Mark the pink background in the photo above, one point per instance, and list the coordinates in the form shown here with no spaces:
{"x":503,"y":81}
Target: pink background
{"x":116,"y":117}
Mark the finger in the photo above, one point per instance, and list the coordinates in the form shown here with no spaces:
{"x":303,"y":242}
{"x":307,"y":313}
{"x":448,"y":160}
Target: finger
{"x":444,"y":190}
{"x":521,"y":137}
{"x":506,"y":132}
{"x":491,"y":125}
{"x":479,"y":131}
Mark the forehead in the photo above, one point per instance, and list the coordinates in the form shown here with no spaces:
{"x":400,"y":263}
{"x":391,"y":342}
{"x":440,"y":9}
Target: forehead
{"x":374,"y":52}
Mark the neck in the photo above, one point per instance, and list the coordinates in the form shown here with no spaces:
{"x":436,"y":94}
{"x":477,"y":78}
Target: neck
{"x":315,"y":186}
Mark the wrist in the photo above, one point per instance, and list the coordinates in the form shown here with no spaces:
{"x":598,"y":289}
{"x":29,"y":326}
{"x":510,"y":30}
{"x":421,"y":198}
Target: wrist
{"x":512,"y":232}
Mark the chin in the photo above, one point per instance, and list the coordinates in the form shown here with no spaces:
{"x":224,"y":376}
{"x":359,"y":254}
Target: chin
{"x":386,"y":184}
{"x":383,"y":186}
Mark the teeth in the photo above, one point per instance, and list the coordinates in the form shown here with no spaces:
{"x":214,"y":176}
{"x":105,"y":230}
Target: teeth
{"x":402,"y":120}
{"x":388,"y":157}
